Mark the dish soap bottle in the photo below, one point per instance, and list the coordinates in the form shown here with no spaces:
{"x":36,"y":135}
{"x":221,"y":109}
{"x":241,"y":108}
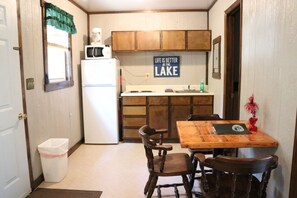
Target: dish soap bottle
{"x":202,"y":86}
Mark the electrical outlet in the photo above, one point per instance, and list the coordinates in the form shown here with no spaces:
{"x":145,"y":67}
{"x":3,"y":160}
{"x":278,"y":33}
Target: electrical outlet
{"x":147,"y":75}
{"x":30,"y":83}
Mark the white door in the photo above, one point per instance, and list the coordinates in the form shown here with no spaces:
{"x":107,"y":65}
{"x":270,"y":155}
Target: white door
{"x":14,"y":172}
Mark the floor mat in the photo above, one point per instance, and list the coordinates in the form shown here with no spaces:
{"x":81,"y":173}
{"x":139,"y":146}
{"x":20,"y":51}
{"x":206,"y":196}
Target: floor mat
{"x":63,"y":193}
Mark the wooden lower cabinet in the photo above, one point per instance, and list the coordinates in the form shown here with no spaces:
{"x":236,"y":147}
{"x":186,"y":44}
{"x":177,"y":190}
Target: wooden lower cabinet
{"x":202,"y":105}
{"x":177,"y":113}
{"x":202,"y":110}
{"x":158,"y":117}
{"x":160,"y":112}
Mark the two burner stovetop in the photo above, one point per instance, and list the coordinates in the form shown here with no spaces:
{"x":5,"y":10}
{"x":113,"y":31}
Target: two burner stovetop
{"x":143,"y":91}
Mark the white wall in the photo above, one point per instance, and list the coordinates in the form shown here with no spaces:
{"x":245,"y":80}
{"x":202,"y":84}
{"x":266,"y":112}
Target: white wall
{"x":57,"y":113}
{"x":135,"y":65}
{"x":269,"y":56}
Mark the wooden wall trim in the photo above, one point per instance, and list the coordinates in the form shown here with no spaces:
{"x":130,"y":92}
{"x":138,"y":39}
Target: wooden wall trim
{"x":20,"y":41}
{"x":74,"y":3}
{"x":293,"y":181}
{"x":232,"y":7}
{"x":227,"y":55}
{"x":75,"y":147}
{"x":88,"y":32}
{"x":212,"y":5}
{"x":149,"y":11}
{"x":206,"y":68}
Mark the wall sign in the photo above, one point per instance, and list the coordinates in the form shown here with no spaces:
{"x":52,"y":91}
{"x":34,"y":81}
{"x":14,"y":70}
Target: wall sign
{"x":166,"y":66}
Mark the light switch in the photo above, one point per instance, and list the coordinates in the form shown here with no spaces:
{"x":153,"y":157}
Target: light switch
{"x":30,"y":83}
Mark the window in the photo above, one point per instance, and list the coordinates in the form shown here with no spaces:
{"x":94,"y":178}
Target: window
{"x":58,"y":27}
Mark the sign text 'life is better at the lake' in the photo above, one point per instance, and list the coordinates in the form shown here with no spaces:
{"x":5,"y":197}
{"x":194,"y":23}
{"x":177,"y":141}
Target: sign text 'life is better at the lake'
{"x":166,"y":66}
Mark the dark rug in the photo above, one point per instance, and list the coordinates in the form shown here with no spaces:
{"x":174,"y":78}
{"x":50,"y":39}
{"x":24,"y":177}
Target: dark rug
{"x":63,"y":193}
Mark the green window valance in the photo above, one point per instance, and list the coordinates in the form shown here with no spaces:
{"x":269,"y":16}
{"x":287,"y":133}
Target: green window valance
{"x":59,"y":19}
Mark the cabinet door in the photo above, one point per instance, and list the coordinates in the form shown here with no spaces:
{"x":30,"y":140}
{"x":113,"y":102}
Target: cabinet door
{"x":123,"y":41}
{"x":178,"y":113}
{"x":148,"y":40}
{"x":202,"y":105}
{"x":174,"y":40}
{"x":199,"y":40}
{"x":158,"y":117}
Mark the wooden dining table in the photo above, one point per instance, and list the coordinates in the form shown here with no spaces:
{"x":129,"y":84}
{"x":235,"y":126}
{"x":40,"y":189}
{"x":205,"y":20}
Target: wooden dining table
{"x":201,"y":134}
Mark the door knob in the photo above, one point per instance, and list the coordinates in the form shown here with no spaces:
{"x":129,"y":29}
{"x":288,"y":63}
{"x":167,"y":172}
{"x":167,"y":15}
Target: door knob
{"x":22,"y":116}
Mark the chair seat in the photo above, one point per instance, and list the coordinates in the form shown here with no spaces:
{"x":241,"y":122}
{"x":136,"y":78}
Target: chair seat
{"x":175,"y":164}
{"x":226,"y":185}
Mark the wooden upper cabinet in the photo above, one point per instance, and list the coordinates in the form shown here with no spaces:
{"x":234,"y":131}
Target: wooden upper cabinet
{"x":174,"y":40}
{"x":199,"y":40}
{"x":161,"y":40}
{"x":123,"y":41}
{"x":148,"y":40}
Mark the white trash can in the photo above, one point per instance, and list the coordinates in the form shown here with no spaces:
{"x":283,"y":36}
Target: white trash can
{"x":54,"y":161}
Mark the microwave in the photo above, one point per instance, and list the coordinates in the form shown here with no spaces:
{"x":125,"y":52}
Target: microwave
{"x":97,"y":51}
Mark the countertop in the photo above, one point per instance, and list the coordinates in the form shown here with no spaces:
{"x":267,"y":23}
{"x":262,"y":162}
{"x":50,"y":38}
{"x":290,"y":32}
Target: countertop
{"x":159,"y":90}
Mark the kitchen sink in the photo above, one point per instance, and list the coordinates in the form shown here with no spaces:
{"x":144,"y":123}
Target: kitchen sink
{"x":189,"y":91}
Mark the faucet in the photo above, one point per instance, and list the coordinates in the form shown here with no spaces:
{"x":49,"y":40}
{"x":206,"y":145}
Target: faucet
{"x":189,"y":87}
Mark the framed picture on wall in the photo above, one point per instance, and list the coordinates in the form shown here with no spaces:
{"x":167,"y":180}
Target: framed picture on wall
{"x":216,"y":58}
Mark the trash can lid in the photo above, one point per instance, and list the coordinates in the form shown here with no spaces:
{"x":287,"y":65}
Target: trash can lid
{"x":54,"y":146}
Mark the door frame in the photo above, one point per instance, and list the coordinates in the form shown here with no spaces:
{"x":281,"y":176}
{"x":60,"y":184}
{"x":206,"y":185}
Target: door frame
{"x":24,"y":90}
{"x":229,"y":58}
{"x":293,"y":181}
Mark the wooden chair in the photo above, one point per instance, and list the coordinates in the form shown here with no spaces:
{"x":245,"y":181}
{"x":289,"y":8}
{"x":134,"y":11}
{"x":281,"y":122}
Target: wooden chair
{"x":163,"y":164}
{"x":234,"y":177}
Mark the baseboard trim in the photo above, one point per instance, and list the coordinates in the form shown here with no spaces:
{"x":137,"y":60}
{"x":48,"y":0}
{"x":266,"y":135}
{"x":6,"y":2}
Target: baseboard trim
{"x":40,"y":179}
{"x":72,"y":149}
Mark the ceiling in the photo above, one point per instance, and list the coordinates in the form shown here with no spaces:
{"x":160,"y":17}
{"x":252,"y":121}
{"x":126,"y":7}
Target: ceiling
{"x":142,"y":5}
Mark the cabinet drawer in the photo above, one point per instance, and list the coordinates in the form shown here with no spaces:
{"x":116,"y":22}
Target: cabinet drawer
{"x":158,"y":100}
{"x":134,"y":100}
{"x":202,"y":100}
{"x":134,"y":110}
{"x":177,"y":100}
{"x":202,"y":110}
{"x":131,"y":133}
{"x":137,"y":122}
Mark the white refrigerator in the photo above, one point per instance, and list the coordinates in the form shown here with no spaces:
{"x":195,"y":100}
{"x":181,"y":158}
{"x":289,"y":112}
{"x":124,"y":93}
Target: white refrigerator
{"x":100,"y":95}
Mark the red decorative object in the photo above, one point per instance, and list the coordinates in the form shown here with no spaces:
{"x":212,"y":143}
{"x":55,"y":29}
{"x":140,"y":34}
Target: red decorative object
{"x":252,"y":108}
